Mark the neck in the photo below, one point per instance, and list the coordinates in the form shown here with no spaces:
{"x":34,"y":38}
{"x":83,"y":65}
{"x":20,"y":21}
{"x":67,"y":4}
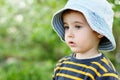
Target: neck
{"x":87,"y":55}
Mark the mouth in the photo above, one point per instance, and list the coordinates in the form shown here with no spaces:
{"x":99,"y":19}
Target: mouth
{"x":71,"y":43}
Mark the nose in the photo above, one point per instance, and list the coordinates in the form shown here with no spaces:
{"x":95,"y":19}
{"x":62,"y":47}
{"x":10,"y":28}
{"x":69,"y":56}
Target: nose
{"x":70,"y":33}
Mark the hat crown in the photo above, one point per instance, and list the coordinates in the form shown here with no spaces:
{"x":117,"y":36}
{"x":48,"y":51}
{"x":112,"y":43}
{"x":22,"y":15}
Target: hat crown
{"x":100,"y":7}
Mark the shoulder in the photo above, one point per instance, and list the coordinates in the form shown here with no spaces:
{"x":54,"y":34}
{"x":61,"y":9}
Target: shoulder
{"x":103,"y":65}
{"x":110,"y":73}
{"x":106,"y":69}
{"x":66,"y":58}
{"x":59,"y":64}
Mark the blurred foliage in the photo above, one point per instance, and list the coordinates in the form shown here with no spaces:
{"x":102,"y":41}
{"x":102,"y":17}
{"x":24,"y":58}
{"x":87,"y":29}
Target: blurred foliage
{"x":29,"y":48}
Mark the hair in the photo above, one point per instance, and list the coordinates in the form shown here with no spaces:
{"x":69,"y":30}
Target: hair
{"x":68,"y":11}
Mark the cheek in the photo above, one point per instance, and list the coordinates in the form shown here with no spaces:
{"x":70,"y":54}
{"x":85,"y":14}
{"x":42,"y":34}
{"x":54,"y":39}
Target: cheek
{"x":84,"y":38}
{"x":82,"y":35}
{"x":65,"y":37}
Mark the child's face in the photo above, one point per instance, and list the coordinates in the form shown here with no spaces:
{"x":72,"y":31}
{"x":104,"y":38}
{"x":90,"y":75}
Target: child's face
{"x":78,"y":34}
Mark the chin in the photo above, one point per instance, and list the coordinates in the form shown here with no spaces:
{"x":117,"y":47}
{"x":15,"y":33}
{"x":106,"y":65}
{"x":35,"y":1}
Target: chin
{"x":76,"y":51}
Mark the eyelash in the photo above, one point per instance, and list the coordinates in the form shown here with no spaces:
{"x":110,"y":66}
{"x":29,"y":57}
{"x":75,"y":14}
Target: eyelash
{"x":66,"y":27}
{"x":78,"y":27}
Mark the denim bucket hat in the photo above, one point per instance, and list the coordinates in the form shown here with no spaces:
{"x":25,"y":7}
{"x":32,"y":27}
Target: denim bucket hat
{"x":99,"y":15}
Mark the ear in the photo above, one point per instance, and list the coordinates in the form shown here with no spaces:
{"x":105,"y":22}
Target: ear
{"x":100,"y":36}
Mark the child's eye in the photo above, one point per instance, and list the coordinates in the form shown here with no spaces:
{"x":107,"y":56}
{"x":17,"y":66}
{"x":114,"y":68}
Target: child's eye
{"x":78,"y":27}
{"x":66,"y":27}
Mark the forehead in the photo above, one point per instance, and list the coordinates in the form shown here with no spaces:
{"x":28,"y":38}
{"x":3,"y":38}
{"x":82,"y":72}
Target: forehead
{"x":73,"y":15}
{"x":68,"y":11}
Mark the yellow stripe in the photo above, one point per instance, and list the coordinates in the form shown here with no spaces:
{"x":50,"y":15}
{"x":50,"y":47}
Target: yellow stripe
{"x":102,"y":67}
{"x":69,"y":76}
{"x":111,"y":75}
{"x":105,"y":61}
{"x":58,"y":64}
{"x":64,"y":59}
{"x":85,"y":66}
{"x":77,"y":71}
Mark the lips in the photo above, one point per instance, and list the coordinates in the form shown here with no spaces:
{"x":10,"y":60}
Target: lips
{"x":71,"y":43}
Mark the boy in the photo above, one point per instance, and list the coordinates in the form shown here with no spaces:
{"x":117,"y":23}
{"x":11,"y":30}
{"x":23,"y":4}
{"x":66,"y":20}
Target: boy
{"x":86,"y":27}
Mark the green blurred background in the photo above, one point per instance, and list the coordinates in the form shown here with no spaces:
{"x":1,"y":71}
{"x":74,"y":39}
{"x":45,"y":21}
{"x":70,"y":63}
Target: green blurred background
{"x":29,"y":48}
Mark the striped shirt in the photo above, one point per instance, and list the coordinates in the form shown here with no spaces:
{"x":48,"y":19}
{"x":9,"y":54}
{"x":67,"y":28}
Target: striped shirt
{"x":98,"y":68}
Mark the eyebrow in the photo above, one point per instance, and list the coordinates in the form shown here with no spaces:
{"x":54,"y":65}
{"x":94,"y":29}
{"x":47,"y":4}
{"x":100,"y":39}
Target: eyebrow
{"x":78,"y":22}
{"x":74,"y":22}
